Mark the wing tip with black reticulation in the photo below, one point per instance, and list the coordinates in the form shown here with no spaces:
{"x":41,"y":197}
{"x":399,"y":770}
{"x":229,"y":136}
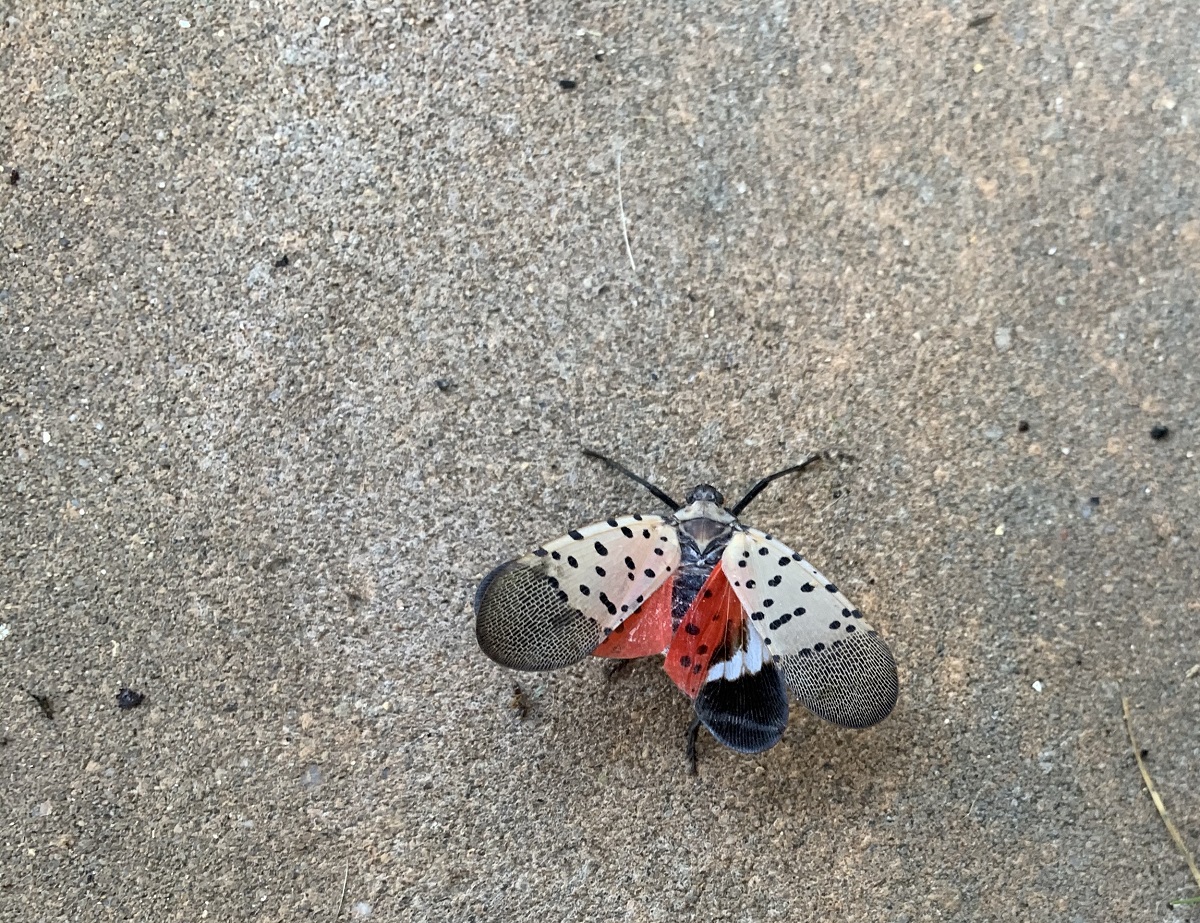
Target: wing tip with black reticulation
{"x":523,"y":621}
{"x":855,"y":685}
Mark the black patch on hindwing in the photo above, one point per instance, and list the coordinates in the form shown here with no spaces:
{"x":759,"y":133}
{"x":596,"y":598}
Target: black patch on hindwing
{"x":748,"y":714}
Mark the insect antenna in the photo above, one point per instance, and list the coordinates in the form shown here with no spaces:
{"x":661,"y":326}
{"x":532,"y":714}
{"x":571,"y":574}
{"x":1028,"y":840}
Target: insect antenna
{"x":757,"y":488}
{"x":657,"y":491}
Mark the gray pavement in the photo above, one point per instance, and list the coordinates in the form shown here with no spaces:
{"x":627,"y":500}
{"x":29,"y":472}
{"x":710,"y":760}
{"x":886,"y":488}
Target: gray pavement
{"x":306,"y":311}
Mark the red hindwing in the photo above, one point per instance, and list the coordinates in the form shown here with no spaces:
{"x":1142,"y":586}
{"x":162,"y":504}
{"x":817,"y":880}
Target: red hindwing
{"x":646,"y":632}
{"x":713,"y":629}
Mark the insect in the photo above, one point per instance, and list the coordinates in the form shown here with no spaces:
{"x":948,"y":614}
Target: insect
{"x":738,"y":615}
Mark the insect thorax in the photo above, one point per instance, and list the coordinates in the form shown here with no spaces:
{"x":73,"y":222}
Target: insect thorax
{"x":704,"y":529}
{"x":705,"y":526}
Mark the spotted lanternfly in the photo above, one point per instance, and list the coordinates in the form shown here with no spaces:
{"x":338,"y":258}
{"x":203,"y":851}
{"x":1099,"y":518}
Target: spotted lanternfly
{"x":738,"y":615}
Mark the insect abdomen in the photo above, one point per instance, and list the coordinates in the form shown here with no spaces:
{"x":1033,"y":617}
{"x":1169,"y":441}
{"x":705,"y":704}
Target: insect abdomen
{"x":694,"y":569}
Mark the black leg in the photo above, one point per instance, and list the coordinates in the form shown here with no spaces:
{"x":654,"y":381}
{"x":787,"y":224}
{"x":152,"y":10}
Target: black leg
{"x":692,"y":731}
{"x":519,"y":702}
{"x":617,"y":666}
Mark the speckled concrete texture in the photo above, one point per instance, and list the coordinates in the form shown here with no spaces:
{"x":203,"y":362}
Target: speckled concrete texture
{"x":306,"y":311}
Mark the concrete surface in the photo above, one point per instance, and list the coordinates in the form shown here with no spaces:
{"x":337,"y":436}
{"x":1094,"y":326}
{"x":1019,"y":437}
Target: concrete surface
{"x":261,"y":494}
